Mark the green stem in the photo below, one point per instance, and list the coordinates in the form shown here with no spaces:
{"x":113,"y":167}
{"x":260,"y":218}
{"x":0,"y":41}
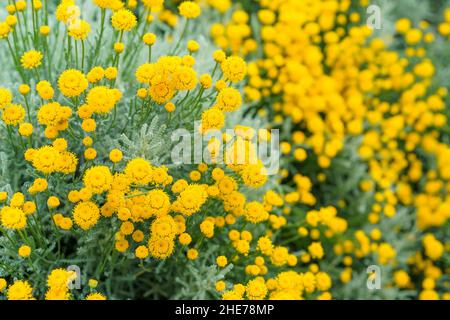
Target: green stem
{"x":181,"y":37}
{"x":82,"y":54}
{"x":99,"y":41}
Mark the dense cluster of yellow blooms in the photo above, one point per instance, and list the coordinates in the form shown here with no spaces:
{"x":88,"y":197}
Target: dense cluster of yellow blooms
{"x":333,"y":80}
{"x":312,"y":68}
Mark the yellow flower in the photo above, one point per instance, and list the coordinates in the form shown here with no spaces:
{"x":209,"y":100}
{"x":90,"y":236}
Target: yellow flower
{"x":161,"y":90}
{"x":192,"y":254}
{"x":149,"y":39}
{"x":44,"y":30}
{"x":45,"y":90}
{"x":98,"y":179}
{"x":104,"y":4}
{"x":190,"y":200}
{"x":255,"y":212}
{"x":53,"y":202}
{"x":13,"y":115}
{"x":24,"y":251}
{"x":193,"y":46}
{"x":5,"y":98}
{"x":141,"y":252}
{"x":153,"y":4}
{"x":229,"y":99}
{"x":189,"y":9}
{"x":24,"y":89}
{"x":96,"y":74}
{"x":123,"y":20}
{"x":13,"y":218}
{"x":158,"y":205}
{"x":212,"y":118}
{"x":221,"y":261}
{"x":101,"y":99}
{"x":86,"y":215}
{"x":185,"y":239}
{"x":207,"y":228}
{"x":139,"y":171}
{"x":67,"y":10}
{"x":115,"y":155}
{"x":20,"y":290}
{"x":111,"y":73}
{"x":5,"y":29}
{"x":160,"y":248}
{"x":79,"y":29}
{"x":220,"y":285}
{"x":3,"y":284}
{"x":234,"y":68}
{"x":72,"y":83}
{"x":95,"y":296}
{"x":170,"y":107}
{"x":256,"y":289}
{"x":31,"y":59}
{"x":119,"y":47}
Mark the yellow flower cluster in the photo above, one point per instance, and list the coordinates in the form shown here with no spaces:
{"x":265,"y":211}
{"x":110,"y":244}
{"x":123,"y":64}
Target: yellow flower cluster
{"x":364,"y":152}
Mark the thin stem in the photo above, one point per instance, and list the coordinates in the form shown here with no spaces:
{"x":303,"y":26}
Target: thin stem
{"x":82,"y":54}
{"x":99,"y":41}
{"x":181,"y":37}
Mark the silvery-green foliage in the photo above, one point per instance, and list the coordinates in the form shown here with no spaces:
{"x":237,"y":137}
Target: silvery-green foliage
{"x":150,"y":142}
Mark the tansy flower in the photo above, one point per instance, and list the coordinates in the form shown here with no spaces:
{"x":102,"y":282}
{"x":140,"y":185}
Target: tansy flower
{"x":53,"y":202}
{"x":207,"y":228}
{"x":44,"y":30}
{"x":123,"y":20}
{"x":254,"y":175}
{"x":72,"y":83}
{"x":141,"y":252}
{"x":111,"y":73}
{"x":185,"y":78}
{"x":149,"y":39}
{"x":234,"y":68}
{"x":67,"y":10}
{"x":96,"y":74}
{"x":98,"y":179}
{"x":190,"y":200}
{"x":185,"y":239}
{"x":20,"y":290}
{"x":115,"y":155}
{"x":104,"y":4}
{"x":193,"y":46}
{"x":13,"y":115}
{"x":79,"y":29}
{"x":86,"y":215}
{"x":192,"y":254}
{"x":3,"y":284}
{"x":160,"y":248}
{"x":31,"y":59}
{"x":24,"y":251}
{"x":229,"y":99}
{"x":139,"y":171}
{"x":45,"y":90}
{"x":5,"y":29}
{"x":212,"y":119}
{"x":95,"y":296}
{"x":13,"y":218}
{"x":255,"y":212}
{"x":189,"y":9}
{"x":153,"y":4}
{"x":24,"y":89}
{"x":101,"y":99}
{"x":161,"y":90}
{"x":256,"y":289}
{"x":158,"y":205}
{"x":5,"y":98}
